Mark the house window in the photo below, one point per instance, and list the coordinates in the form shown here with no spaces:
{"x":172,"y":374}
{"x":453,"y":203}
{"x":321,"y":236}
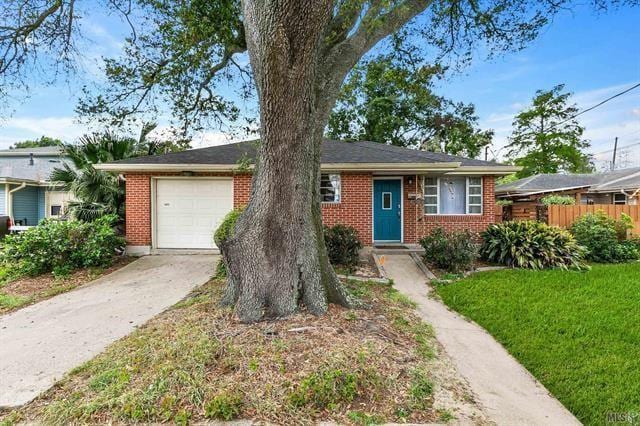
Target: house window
{"x":55,"y":210}
{"x":330,"y":188}
{"x":386,"y":201}
{"x":619,"y":199}
{"x":430,"y":195}
{"x":453,"y":195}
{"x":474,"y":195}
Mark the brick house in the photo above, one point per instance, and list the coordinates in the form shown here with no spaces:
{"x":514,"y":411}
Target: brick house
{"x":389,"y":194}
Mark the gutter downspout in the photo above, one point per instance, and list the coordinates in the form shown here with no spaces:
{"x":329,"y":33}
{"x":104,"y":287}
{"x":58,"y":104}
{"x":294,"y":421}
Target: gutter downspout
{"x":10,"y":198}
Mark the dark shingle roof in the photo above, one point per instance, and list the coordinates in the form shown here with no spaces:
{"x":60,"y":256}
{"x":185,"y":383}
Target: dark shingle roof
{"x":332,"y":152}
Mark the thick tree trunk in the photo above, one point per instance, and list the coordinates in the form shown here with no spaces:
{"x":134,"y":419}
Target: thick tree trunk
{"x":277,"y":259}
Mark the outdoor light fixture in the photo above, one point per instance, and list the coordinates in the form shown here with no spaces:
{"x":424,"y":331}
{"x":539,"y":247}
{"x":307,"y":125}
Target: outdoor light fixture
{"x":410,"y":180}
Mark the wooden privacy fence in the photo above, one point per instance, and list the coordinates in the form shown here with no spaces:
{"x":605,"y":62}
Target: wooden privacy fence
{"x":564,"y":216}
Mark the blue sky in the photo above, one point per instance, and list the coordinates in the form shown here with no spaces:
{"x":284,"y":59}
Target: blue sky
{"x":595,"y":55}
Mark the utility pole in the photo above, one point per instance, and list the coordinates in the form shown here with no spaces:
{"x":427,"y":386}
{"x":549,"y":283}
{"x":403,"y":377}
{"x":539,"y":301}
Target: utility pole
{"x":615,"y":149}
{"x":486,"y":153}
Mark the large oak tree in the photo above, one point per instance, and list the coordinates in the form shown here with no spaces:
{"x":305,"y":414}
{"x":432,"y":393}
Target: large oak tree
{"x":300,"y":52}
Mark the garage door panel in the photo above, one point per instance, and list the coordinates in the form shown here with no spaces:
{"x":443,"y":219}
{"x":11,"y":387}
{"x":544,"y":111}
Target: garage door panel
{"x":189,"y":210}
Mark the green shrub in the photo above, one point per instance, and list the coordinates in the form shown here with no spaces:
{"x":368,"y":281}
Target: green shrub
{"x":531,"y":245}
{"x":224,"y":406}
{"x":343,"y":245}
{"x":222,"y":234}
{"x":453,"y":252}
{"x":561,"y":200}
{"x":225,"y":230}
{"x":605,"y":238}
{"x":504,"y":202}
{"x":62,"y":246}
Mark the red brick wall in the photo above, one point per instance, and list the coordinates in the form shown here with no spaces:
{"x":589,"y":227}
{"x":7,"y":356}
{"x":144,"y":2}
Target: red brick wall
{"x":241,"y":190}
{"x":355,"y":208}
{"x":138,"y":210}
{"x":417,"y":224}
{"x":138,"y":202}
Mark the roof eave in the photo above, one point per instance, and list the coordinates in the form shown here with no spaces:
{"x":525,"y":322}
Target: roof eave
{"x":486,"y":170}
{"x":395,"y":167}
{"x":28,"y":154}
{"x":515,"y":193}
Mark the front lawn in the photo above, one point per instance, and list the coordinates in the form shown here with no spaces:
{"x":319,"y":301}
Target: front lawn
{"x":577,"y":332}
{"x":196,"y":363}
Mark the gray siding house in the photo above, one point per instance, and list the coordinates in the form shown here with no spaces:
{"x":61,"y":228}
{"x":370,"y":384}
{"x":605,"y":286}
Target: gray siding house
{"x":26,"y":193}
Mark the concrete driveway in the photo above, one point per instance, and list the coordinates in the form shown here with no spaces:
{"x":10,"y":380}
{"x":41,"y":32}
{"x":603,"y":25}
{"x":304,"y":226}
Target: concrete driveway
{"x":40,"y":343}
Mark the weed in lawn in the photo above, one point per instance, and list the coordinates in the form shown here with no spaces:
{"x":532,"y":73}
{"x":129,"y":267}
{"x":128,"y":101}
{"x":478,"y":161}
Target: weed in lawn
{"x":422,"y":333}
{"x":254,"y":365}
{"x":224,"y":406}
{"x":400,"y":298}
{"x":350,"y":316}
{"x":445,"y":416}
{"x":421,"y":389}
{"x":364,"y":419}
{"x":326,"y":388}
{"x":11,"y":302}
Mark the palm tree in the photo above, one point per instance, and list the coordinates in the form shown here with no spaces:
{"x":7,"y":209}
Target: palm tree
{"x":96,"y":192}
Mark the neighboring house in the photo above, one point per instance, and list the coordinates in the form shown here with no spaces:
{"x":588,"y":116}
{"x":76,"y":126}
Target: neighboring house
{"x":617,"y":187}
{"x":389,"y":194}
{"x":26,"y":193}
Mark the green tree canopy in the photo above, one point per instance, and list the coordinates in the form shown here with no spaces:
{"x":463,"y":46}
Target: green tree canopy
{"x":390,"y":99}
{"x":546,"y":138}
{"x":43,"y":141}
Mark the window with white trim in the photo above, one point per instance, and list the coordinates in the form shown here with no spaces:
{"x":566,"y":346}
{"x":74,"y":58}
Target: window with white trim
{"x":329,"y":188}
{"x":619,"y":199}
{"x":452,"y":195}
{"x":474,"y":195}
{"x":431,"y":195}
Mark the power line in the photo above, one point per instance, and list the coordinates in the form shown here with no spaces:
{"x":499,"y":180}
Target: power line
{"x":621,"y":147}
{"x":597,"y":105}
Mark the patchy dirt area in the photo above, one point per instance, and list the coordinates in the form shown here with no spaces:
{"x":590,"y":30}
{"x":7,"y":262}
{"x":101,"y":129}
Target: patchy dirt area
{"x":196,"y":362}
{"x":29,"y":290}
{"x":366,"y":268}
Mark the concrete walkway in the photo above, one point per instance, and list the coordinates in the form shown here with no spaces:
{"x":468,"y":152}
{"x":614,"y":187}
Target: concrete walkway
{"x":509,"y":394}
{"x":40,"y":343}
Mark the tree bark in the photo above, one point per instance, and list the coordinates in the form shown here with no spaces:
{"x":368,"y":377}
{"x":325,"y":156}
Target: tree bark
{"x":277,"y":260}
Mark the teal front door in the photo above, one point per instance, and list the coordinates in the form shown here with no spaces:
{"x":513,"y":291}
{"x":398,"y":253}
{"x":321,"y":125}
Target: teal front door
{"x":387,"y":210}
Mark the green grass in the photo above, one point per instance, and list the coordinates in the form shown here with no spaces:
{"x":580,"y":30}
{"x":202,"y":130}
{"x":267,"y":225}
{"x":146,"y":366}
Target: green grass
{"x":577,"y":332}
{"x":8,"y":301}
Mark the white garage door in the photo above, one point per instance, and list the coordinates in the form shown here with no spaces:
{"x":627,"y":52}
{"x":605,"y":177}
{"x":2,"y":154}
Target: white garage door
{"x":189,"y":210}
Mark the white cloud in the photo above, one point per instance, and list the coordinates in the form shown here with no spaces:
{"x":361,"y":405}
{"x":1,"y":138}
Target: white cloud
{"x":20,"y":128}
